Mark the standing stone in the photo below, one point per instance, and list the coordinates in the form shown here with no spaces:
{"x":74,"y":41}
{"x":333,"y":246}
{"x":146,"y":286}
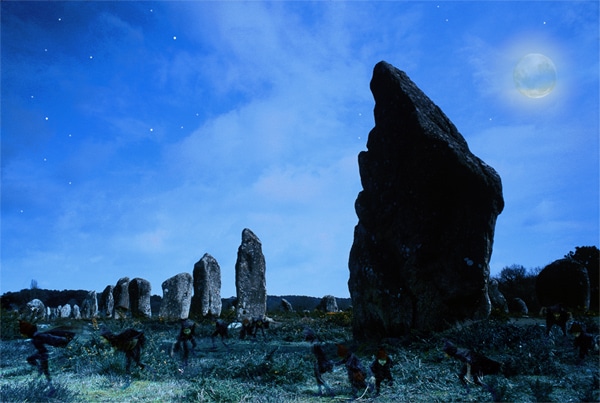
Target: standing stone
{"x":64,"y":311}
{"x":34,"y":311}
{"x":89,"y":306}
{"x":496,"y":297}
{"x":177,"y":297}
{"x":139,"y":298}
{"x":286,"y":305}
{"x":250,"y":277}
{"x":518,"y":306}
{"x":328,"y":304}
{"x":107,"y":302}
{"x":121,"y":296}
{"x":427,"y":214}
{"x":566,"y":282}
{"x":207,"y":287}
{"x":76,"y":312}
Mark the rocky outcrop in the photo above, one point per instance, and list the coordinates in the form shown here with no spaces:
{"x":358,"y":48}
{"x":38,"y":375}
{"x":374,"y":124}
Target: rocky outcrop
{"x":565,"y":282}
{"x":107,"y":302}
{"x":207,"y":287}
{"x":250,"y":277}
{"x":427,"y":214}
{"x":177,"y":297}
{"x":139,"y":298}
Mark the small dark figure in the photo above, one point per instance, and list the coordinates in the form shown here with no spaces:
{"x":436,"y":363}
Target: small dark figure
{"x":250,"y":327}
{"x":322,"y":366}
{"x":583,"y":340}
{"x":186,"y":336}
{"x":556,"y":315}
{"x":247,"y":328}
{"x":475,"y":365}
{"x":381,"y":369}
{"x":357,"y":375}
{"x":310,"y":336}
{"x":130,"y":341}
{"x":220,"y":330}
{"x":54,"y":337}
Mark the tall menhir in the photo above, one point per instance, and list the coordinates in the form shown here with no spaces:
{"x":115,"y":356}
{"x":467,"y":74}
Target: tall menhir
{"x":427,"y":213}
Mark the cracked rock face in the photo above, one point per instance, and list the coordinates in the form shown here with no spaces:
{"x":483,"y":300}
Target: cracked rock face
{"x":427,"y":213}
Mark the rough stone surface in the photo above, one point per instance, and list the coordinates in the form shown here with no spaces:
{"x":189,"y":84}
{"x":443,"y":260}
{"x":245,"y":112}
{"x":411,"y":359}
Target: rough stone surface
{"x":427,"y":214}
{"x":207,"y":287}
{"x":565,"y":282}
{"x":139,"y":298}
{"x":496,"y":297}
{"x":121,"y":294}
{"x":89,"y":306}
{"x":177,"y":297}
{"x":250,"y":277}
{"x":328,"y":304}
{"x":107,"y":302}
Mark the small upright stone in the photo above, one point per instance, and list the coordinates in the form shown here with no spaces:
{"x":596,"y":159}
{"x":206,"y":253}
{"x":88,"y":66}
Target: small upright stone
{"x":89,"y":306}
{"x":250,"y":277}
{"x":121,"y":297}
{"x":107,"y":302}
{"x":139,"y":298}
{"x":177,"y":297}
{"x":328,"y":304}
{"x":207,"y":287}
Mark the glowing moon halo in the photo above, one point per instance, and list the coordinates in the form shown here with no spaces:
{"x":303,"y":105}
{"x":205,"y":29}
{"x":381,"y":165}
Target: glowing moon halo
{"x":535,"y":75}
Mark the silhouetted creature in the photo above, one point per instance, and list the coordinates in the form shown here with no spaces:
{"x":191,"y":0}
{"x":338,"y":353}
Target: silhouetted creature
{"x":310,"y":335}
{"x":129,"y":341}
{"x":54,"y":337}
{"x":357,"y":375}
{"x":186,"y":336}
{"x":381,"y":369}
{"x":475,"y":365}
{"x":583,"y":340}
{"x":322,"y":365}
{"x":250,"y":327}
{"x":556,"y":315}
{"x":220,"y":330}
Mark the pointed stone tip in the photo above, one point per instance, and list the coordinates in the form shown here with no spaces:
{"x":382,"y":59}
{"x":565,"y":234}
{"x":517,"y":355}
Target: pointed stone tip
{"x":249,"y":236}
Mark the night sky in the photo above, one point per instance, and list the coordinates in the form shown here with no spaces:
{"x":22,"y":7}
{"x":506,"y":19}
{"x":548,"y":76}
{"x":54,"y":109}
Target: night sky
{"x":138,"y":136}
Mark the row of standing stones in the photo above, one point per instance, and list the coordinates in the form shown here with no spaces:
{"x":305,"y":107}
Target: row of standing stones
{"x":184,"y":295}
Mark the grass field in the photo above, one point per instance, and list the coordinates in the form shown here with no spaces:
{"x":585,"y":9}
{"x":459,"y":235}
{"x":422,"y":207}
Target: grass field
{"x":280,"y":369}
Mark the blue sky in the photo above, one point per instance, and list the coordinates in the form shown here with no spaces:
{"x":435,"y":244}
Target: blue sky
{"x":138,"y":136}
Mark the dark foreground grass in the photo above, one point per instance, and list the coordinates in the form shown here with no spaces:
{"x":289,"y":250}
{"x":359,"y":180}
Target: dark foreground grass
{"x":280,"y":369}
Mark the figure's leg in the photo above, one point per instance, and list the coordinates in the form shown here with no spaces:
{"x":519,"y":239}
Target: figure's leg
{"x":44,"y":367}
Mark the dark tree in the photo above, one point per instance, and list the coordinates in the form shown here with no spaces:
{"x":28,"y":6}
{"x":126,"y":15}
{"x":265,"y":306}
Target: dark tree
{"x":517,"y":282}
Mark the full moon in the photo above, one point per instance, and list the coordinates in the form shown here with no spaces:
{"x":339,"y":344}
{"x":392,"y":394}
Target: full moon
{"x":535,"y":75}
